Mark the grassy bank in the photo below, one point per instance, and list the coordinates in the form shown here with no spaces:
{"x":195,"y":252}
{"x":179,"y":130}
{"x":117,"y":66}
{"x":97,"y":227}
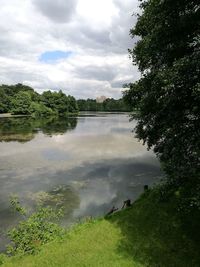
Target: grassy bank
{"x":150,"y":233}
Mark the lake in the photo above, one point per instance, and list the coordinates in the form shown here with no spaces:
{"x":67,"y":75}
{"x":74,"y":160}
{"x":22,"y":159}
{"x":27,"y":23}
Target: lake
{"x":87,"y":164}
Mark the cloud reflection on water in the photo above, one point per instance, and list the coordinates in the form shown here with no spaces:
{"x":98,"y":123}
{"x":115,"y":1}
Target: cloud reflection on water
{"x":99,"y":160}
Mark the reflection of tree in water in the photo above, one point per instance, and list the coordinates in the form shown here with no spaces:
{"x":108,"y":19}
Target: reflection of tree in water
{"x":24,"y":129}
{"x":59,"y":125}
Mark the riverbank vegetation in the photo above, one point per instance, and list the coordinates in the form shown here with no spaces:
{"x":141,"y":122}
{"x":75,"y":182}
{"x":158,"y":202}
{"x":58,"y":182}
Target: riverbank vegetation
{"x":109,"y":105}
{"x":20,"y":99}
{"x":153,"y":232}
{"x":23,"y":100}
{"x":168,"y":93}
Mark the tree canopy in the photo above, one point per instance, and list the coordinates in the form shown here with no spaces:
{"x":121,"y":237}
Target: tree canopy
{"x":110,"y":104}
{"x":21,"y":103}
{"x":168,"y":94}
{"x":22,"y":99}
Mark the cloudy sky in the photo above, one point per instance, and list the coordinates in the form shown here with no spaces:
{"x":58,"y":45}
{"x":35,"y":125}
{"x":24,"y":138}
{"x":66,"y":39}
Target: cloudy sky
{"x":79,"y":46}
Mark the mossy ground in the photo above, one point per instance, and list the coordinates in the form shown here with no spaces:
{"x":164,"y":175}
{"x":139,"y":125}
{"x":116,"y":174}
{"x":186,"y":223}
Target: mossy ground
{"x":150,"y":233}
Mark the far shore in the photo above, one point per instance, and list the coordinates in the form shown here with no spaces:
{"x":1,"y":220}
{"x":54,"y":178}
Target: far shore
{"x":9,"y":115}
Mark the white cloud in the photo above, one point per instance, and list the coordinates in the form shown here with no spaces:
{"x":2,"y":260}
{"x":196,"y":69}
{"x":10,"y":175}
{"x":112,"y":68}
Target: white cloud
{"x":97,"y":32}
{"x":97,"y":14}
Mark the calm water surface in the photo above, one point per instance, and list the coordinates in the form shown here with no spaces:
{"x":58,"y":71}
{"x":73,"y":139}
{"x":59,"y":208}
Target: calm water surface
{"x":87,"y":164}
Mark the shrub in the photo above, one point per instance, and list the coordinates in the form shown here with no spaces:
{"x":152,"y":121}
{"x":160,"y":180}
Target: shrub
{"x":35,"y":230}
{"x":40,"y":110}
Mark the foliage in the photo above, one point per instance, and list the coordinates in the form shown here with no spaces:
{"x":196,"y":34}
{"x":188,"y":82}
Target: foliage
{"x":150,"y":233}
{"x":87,"y":105}
{"x":3,"y":258}
{"x":73,"y":106}
{"x":59,"y":102}
{"x":12,"y":90}
{"x":109,"y":104}
{"x":4,"y":103}
{"x":35,"y":230}
{"x":16,"y":206}
{"x":21,"y":103}
{"x":168,"y":93}
{"x":9,"y":92}
{"x":23,"y":100}
{"x":40,"y":110}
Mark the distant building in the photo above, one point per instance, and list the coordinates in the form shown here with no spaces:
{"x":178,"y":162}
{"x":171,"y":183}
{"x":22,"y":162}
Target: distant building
{"x":101,"y":99}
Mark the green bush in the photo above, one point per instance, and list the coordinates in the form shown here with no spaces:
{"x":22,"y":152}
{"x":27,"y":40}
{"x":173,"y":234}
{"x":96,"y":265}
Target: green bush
{"x":21,"y":103}
{"x":40,"y":110}
{"x":35,"y":230}
{"x":2,"y":258}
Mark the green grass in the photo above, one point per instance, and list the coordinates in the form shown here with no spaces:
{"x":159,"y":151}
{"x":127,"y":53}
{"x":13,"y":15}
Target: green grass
{"x":148,"y":234}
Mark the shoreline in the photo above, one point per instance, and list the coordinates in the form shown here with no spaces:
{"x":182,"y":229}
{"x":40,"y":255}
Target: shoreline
{"x":9,"y":115}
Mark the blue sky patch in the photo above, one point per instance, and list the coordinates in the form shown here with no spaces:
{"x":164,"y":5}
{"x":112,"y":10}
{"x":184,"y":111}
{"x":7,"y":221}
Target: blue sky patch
{"x":53,"y":56}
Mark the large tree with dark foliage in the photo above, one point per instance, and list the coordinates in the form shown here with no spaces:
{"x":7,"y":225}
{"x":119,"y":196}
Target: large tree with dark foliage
{"x":59,"y":102}
{"x":168,"y":94}
{"x":8,"y":96}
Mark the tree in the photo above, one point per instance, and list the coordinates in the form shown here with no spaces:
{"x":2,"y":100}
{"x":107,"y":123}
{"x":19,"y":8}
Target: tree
{"x":40,"y":110}
{"x":8,"y":94}
{"x":73,"y":106}
{"x":109,"y":104}
{"x":12,"y":90}
{"x":59,"y":102}
{"x":22,"y":99}
{"x":5,"y":102}
{"x":21,"y":103}
{"x":168,"y":94}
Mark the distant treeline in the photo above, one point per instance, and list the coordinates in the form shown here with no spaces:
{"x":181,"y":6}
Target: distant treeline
{"x":109,"y":104}
{"x":23,"y":100}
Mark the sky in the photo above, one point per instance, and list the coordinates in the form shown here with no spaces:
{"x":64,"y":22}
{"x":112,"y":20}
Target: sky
{"x":77,"y":46}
